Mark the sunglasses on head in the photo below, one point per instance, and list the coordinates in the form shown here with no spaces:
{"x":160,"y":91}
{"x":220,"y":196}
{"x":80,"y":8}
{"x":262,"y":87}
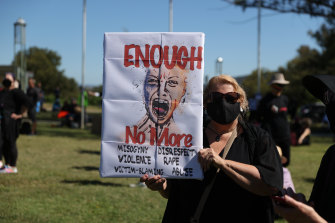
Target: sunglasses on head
{"x":230,"y":97}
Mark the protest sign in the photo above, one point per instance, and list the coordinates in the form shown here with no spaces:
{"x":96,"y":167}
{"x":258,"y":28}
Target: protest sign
{"x":152,"y":104}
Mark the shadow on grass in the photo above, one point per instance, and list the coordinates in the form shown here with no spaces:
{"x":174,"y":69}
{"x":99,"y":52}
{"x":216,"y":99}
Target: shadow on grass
{"x":89,"y":152}
{"x":92,"y":182}
{"x":66,"y":132}
{"x":309,"y":180}
{"x":87,"y":168}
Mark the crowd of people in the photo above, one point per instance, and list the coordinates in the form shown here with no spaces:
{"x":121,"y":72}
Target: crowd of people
{"x":245,"y":165}
{"x":14,"y":105}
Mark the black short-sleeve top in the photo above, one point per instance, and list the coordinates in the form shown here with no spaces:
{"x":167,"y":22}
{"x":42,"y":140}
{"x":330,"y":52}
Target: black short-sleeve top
{"x":11,"y":101}
{"x":227,"y":201}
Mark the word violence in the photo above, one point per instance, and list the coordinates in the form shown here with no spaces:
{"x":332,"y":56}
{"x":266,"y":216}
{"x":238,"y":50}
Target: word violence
{"x":134,"y":159}
{"x":168,"y":139}
{"x":180,"y":55}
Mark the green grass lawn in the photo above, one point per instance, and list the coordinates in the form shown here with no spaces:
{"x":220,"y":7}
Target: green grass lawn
{"x":58,"y":181}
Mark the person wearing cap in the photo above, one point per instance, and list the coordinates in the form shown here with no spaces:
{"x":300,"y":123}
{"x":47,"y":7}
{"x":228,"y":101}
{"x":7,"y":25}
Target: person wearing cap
{"x":272,"y":114}
{"x":320,"y":207}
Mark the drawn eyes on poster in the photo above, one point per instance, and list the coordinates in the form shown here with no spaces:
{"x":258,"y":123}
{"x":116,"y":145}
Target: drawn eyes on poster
{"x":152,"y":105}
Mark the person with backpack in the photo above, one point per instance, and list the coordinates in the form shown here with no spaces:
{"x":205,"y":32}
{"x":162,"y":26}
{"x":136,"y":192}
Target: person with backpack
{"x":241,"y":165}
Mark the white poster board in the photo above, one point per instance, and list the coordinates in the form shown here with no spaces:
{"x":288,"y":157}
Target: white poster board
{"x":152,"y":104}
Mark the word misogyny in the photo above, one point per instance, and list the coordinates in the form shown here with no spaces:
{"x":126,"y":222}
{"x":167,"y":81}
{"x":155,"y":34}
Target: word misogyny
{"x":168,"y":139}
{"x":180,"y":56}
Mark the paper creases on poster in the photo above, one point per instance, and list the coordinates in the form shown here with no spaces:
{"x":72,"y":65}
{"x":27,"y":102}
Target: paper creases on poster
{"x":152,"y":105}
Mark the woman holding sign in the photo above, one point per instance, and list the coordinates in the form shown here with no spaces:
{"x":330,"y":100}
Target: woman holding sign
{"x":236,"y":188}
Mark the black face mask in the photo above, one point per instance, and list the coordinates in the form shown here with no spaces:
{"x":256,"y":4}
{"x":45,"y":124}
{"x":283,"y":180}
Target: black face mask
{"x":330,"y":109}
{"x":6,"y":83}
{"x":223,"y":112}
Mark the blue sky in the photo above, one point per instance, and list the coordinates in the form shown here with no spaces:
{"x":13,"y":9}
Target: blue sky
{"x":230,"y":32}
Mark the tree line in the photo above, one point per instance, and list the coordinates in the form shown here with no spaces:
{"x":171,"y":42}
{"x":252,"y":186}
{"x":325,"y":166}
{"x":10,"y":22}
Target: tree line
{"x":309,"y":61}
{"x":45,"y":63}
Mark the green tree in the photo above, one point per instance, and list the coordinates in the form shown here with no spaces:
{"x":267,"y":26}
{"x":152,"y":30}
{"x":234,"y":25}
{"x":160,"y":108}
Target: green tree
{"x":249,"y":84}
{"x":320,"y":8}
{"x":45,"y":63}
{"x":308,"y":61}
{"x":92,"y":100}
{"x":325,"y":37}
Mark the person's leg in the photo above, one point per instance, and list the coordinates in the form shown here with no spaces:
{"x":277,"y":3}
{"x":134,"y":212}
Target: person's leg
{"x":33,"y":128}
{"x":1,"y":150}
{"x":10,"y":157}
{"x":9,"y":136}
{"x":13,"y":154}
{"x":10,"y":140}
{"x":32,"y":117}
{"x":6,"y":152}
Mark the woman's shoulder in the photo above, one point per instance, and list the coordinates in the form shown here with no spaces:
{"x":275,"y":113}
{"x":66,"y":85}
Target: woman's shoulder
{"x":255,"y":135}
{"x":253,"y":130}
{"x":330,"y":153}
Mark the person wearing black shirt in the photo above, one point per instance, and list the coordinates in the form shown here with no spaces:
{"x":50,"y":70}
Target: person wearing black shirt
{"x":245,"y":180}
{"x":33,"y":94}
{"x":272,"y":113}
{"x":13,"y":102}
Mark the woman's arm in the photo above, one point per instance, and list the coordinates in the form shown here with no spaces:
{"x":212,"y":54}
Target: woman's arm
{"x":245,"y":175}
{"x":306,"y":132}
{"x":248,"y":177}
{"x":296,"y":212}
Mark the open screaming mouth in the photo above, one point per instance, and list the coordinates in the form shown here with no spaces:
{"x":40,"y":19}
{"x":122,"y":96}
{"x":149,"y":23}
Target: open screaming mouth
{"x":160,"y":107}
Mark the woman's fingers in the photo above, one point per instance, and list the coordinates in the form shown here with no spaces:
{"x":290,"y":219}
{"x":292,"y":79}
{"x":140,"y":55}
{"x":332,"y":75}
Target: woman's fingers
{"x":206,"y":157}
{"x":144,"y":178}
{"x":154,"y":183}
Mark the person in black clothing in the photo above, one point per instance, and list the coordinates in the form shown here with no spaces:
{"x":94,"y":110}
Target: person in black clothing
{"x":40,"y":96}
{"x":72,"y":119}
{"x":33,"y":94}
{"x":301,"y":131}
{"x":247,"y":177}
{"x":13,"y":102}
{"x":272,"y":114}
{"x":320,"y":207}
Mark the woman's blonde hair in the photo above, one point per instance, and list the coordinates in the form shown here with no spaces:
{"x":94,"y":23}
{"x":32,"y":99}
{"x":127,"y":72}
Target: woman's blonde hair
{"x":226,"y":79}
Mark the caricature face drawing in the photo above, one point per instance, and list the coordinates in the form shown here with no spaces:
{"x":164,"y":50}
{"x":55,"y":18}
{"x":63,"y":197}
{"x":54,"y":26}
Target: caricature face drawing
{"x":163,"y":91}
